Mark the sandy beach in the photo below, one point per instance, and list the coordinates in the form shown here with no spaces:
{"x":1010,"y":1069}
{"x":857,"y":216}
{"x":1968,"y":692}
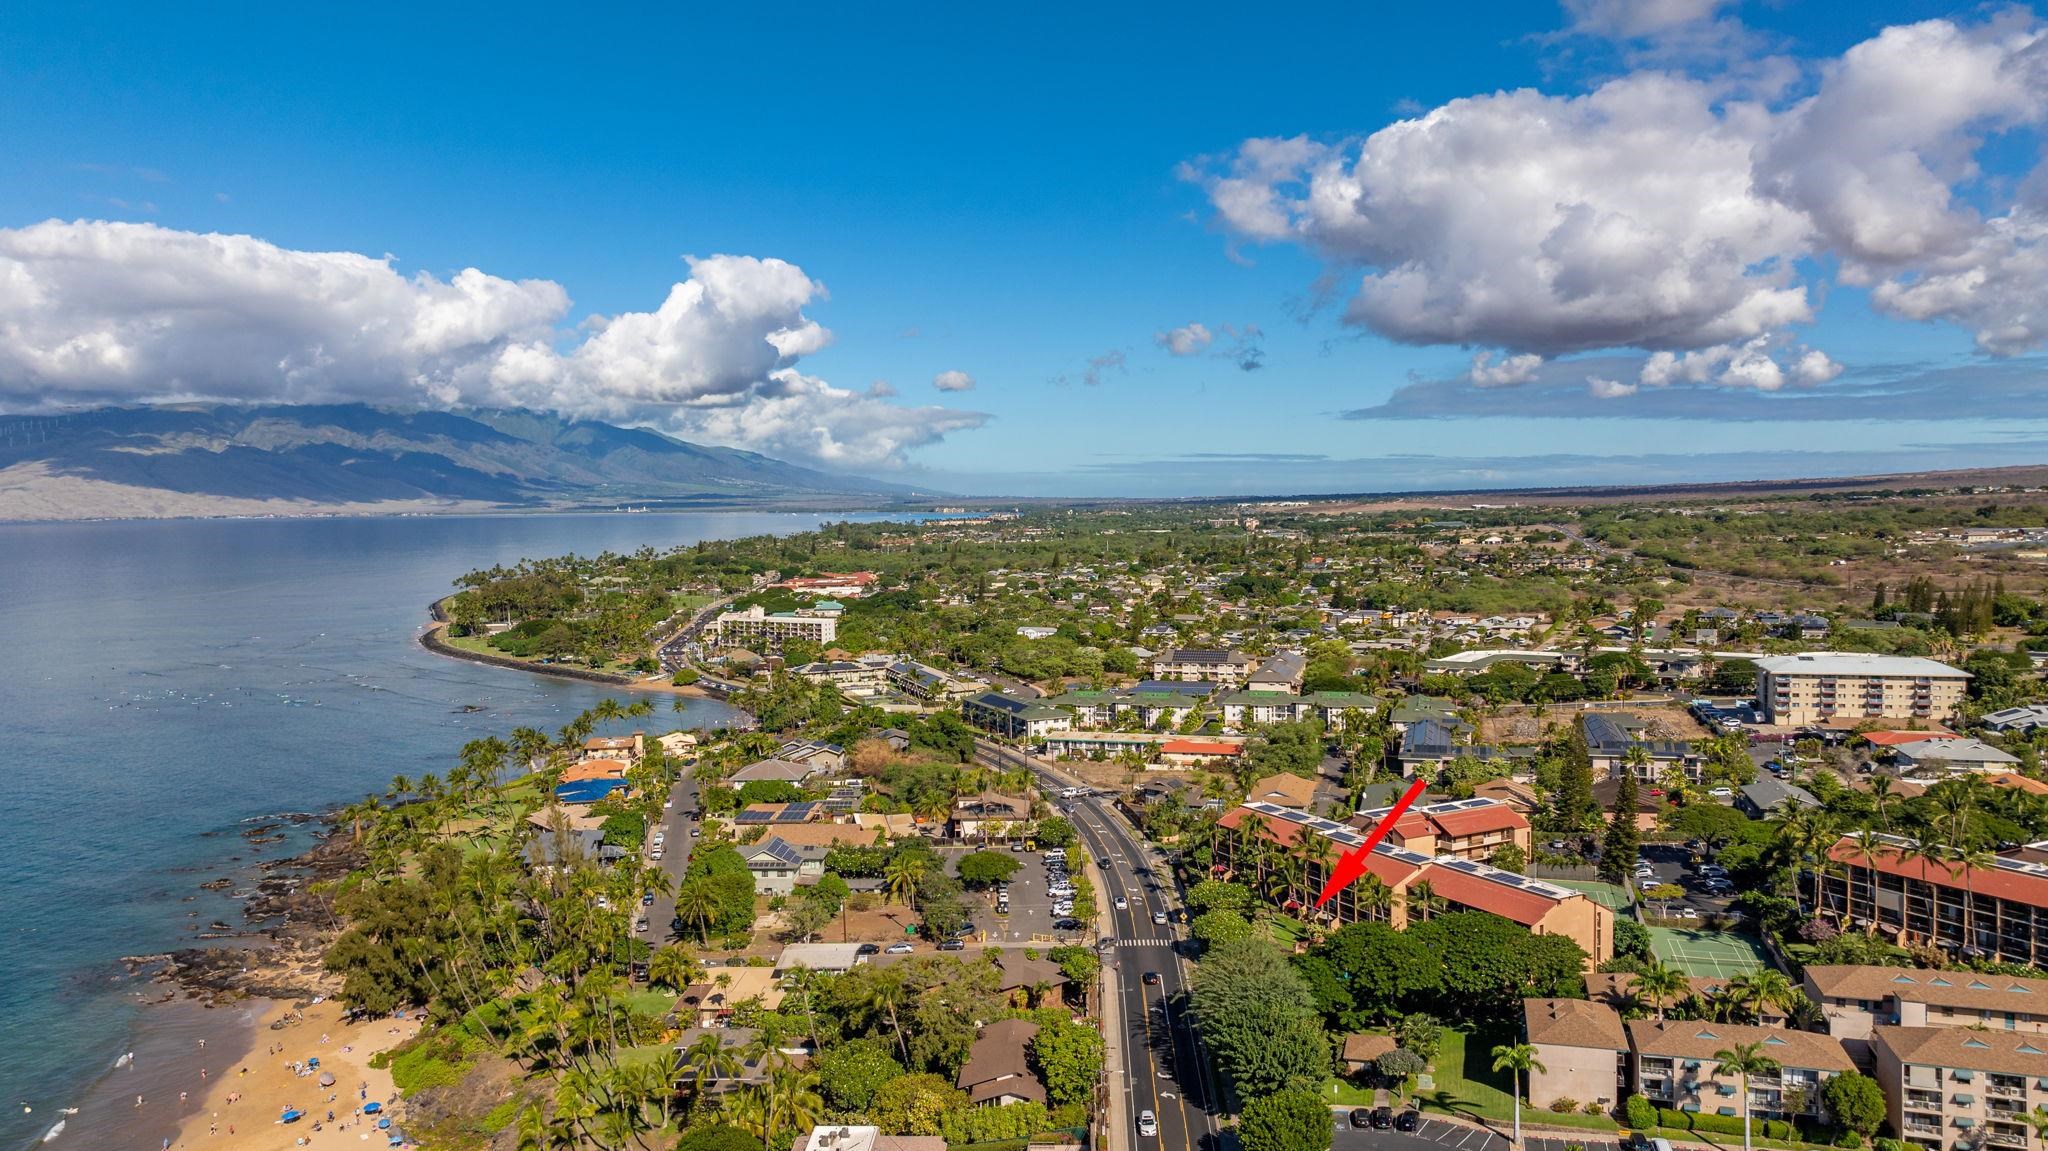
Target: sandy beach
{"x":240,"y":1101}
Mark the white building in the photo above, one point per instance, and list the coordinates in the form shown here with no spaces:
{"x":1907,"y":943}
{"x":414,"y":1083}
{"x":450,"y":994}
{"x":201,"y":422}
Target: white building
{"x":755,"y":625}
{"x":1818,"y":687}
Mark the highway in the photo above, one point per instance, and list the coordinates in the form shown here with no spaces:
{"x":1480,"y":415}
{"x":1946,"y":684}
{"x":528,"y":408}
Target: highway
{"x":1166,"y":1071}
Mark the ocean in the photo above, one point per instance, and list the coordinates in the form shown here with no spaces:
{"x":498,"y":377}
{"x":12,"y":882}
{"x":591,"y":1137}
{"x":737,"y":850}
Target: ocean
{"x":169,"y":685}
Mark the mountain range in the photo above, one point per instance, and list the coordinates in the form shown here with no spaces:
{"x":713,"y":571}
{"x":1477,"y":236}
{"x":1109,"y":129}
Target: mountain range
{"x":219,"y":459}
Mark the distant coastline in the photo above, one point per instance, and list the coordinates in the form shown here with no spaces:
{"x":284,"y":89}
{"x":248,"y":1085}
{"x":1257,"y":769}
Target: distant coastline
{"x":432,"y":638}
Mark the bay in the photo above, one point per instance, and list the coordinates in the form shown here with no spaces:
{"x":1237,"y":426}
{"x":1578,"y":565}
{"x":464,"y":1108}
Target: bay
{"x":166,"y":683}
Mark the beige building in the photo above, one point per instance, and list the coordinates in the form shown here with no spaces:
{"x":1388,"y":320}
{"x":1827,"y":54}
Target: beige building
{"x":1840,"y":687}
{"x":1962,"y":1089}
{"x":1208,"y":665}
{"x":1857,"y":999}
{"x":757,"y":626}
{"x":1583,"y":1050}
{"x":1675,"y":1067}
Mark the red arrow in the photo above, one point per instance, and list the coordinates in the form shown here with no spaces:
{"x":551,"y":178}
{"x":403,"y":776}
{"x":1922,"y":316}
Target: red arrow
{"x":1352,"y":864}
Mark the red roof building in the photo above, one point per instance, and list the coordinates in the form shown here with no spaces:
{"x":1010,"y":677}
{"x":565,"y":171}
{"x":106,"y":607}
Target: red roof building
{"x":1997,"y":912}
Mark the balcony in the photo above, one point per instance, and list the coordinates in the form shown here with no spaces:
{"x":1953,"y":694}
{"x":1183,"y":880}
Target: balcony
{"x":2005,"y":1137}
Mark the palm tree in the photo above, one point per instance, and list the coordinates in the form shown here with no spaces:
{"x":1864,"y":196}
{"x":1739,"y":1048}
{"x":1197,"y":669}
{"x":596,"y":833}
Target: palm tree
{"x":790,"y":1099}
{"x":1660,"y":985}
{"x":672,"y":967}
{"x":1745,"y":1060}
{"x":1971,"y":860}
{"x":884,"y":992}
{"x":1759,"y":989}
{"x":1375,"y":897}
{"x":707,"y":1061}
{"x":903,"y":875}
{"x":1518,"y":1059}
{"x":697,"y":902}
{"x":1869,"y":847}
{"x":1881,"y":795}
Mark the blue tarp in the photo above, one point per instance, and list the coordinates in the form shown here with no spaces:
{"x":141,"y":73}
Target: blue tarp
{"x":587,"y":790}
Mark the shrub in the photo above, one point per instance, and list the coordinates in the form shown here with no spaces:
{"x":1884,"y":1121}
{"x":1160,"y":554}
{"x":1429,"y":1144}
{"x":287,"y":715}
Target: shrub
{"x":1592,"y":1107}
{"x":1849,"y":1140}
{"x":1564,"y":1105}
{"x":1638,"y":1113}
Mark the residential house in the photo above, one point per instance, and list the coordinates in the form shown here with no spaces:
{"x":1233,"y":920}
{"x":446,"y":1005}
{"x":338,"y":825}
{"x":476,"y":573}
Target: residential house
{"x":990,"y":816}
{"x":1431,"y":743}
{"x":2017,"y":718}
{"x":1284,"y":790}
{"x":1282,"y":673}
{"x":711,"y":1000}
{"x":623,"y":747}
{"x":1582,"y":1052}
{"x":1477,"y":661}
{"x":998,"y":1068}
{"x":1675,"y":1067}
{"x":1856,"y":999}
{"x":832,"y":958}
{"x":1611,"y":739}
{"x":1362,"y":1050}
{"x":750,"y":1071}
{"x":775,"y":865}
{"x":1200,"y":752}
{"x":815,"y":754}
{"x":1950,"y":756}
{"x":842,"y":1137}
{"x":770,"y":769}
{"x":1962,"y":1089}
{"x":1768,"y":797}
{"x":1514,"y":793}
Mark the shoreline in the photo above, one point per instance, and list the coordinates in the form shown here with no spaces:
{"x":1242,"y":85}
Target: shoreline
{"x":430,"y":638}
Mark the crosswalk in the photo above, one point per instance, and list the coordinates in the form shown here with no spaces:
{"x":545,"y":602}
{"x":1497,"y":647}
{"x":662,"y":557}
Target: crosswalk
{"x":1139,"y":942}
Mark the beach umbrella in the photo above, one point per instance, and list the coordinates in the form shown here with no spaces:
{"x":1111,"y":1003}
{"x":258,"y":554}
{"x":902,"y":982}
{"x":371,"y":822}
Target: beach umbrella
{"x":372,"y":1107}
{"x":383,"y":1123}
{"x":290,"y":1116}
{"x":313,"y":1062}
{"x":327,"y":1079}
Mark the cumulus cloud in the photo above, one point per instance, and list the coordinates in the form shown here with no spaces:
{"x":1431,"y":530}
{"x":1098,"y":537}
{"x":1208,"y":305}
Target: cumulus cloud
{"x":1190,"y":340}
{"x":1675,"y":214}
{"x":953,"y":381}
{"x":98,"y":312}
{"x":1602,"y":388}
{"x":1510,"y":371}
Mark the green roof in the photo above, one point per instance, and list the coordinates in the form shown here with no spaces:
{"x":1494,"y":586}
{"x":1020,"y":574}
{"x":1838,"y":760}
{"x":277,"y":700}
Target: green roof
{"x":1342,"y":699}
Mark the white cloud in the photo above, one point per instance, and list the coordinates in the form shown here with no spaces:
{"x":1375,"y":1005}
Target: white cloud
{"x":1601,"y":388}
{"x":1815,"y":367}
{"x":1510,"y":371}
{"x":1186,"y":341}
{"x":953,"y":381}
{"x":96,"y":312}
{"x":1678,"y":215}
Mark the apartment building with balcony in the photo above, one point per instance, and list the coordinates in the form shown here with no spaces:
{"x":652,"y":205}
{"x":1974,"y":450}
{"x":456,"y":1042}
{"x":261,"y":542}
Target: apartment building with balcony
{"x":1015,"y":718}
{"x":1674,"y":1067}
{"x":1858,"y":999}
{"x":1963,"y":1089}
{"x":1842,"y":687}
{"x":1407,"y":885}
{"x":755,"y":625}
{"x":1997,"y":912}
{"x":1460,"y":828}
{"x":1211,"y":665}
{"x":1582,"y":1052}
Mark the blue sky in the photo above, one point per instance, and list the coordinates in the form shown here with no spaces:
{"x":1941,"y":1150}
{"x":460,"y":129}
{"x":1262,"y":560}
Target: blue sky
{"x":1016,"y":194}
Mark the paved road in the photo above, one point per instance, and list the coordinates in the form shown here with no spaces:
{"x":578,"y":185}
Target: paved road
{"x":675,"y":860}
{"x":1166,"y":1070}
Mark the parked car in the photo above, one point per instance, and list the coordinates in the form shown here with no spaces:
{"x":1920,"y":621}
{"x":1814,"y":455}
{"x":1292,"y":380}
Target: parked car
{"x":953,"y":945}
{"x":867,"y":949}
{"x":647,"y":900}
{"x":1067,"y":925}
{"x":1382,"y":1118}
{"x":1722,"y":793}
{"x":1151,"y":977}
{"x":1408,"y":1120}
{"x":1361,"y":1117}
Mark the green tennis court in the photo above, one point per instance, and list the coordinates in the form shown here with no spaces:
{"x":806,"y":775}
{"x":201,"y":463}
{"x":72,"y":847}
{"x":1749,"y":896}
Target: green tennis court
{"x":1714,"y":954}
{"x":1614,"y":897}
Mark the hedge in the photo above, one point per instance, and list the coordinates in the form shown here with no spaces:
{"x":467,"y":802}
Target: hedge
{"x":1783,"y":1129}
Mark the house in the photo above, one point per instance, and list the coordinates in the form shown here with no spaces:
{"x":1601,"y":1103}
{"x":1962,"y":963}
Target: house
{"x":678,"y":744}
{"x":1199,"y":752}
{"x":1844,"y":687}
{"x":890,"y":826}
{"x":998,"y":1068}
{"x":1416,"y":708}
{"x":775,"y":865}
{"x":1856,"y":999}
{"x":1517,"y":795}
{"x":1466,"y":663}
{"x":825,"y":836}
{"x":1281,"y":673}
{"x":1675,"y":1067}
{"x":1613,"y":740}
{"x":1947,"y":756}
{"x":565,"y":835}
{"x":780,"y":770}
{"x":815,"y":754}
{"x":1026,"y":978}
{"x":1951,"y":1089}
{"x":1430,"y":743}
{"x":841,"y":1137}
{"x":2017,"y":718}
{"x":1582,"y":1050}
{"x":748,"y":1072}
{"x":1607,"y":793}
{"x":713,"y":998}
{"x":1284,"y":790}
{"x":1014,"y":718}
{"x":1768,"y":797}
{"x":1362,"y":1050}
{"x":990,"y":816}
{"x":1030,"y":632}
{"x":1912,"y":899}
{"x":1205,"y":664}
{"x":926,"y":682}
{"x":626,"y":747}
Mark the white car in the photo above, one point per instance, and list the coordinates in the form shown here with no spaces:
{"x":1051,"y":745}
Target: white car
{"x":1159,"y":917}
{"x":1147,"y":1125}
{"x":1122,"y":904}
{"x":1723,"y":793}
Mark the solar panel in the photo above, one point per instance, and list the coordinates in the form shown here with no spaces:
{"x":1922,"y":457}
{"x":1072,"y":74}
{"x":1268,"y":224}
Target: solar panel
{"x":752,"y":817}
{"x":1509,"y":878}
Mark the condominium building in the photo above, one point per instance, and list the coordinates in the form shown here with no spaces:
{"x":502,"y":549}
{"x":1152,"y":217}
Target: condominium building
{"x":1407,"y":885}
{"x":1459,"y":828}
{"x":1962,"y":1089}
{"x":1842,"y":687}
{"x":1255,"y":708}
{"x":1581,"y":1052}
{"x":1203,"y":664}
{"x":1006,"y":715}
{"x":1857,"y":999}
{"x":1998,"y":911}
{"x":755,"y":625}
{"x":1675,"y":1067}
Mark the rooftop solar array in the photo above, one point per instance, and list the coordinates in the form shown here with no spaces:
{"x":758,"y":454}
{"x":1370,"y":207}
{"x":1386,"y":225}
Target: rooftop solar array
{"x":753,"y":817}
{"x":796,"y":813}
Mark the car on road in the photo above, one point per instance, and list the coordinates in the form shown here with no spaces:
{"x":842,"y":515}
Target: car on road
{"x":1722,"y":793}
{"x":1382,"y":1118}
{"x":1684,"y":913}
{"x":867,"y":949}
{"x":1148,"y":1124}
{"x":1152,"y":977}
{"x":695,"y":832}
{"x":953,"y":945}
{"x":899,"y":949}
{"x":656,"y":854}
{"x":647,"y":900}
{"x":640,"y":924}
{"x":1361,"y":1117}
{"x":1408,"y":1120}
{"x":1159,"y":917}
{"x":1122,"y":904}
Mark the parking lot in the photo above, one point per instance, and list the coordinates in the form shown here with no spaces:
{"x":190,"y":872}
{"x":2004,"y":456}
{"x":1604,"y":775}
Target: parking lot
{"x":1438,"y":1135}
{"x":1030,"y":906}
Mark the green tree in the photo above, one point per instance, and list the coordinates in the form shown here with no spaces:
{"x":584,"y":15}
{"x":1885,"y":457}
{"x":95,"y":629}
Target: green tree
{"x":916,"y":1104}
{"x":1215,"y":928}
{"x":1618,"y":849}
{"x":1219,"y":895}
{"x":987,"y":868}
{"x":1258,"y":1017}
{"x":1854,"y":1101}
{"x":673,"y":967}
{"x":1068,"y":1058}
{"x":1491,"y":964}
{"x":1292,"y":1120}
{"x":853,"y":1073}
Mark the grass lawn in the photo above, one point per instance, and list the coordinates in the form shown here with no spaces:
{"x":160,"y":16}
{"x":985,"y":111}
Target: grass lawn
{"x":650,"y":1002}
{"x":1286,"y":931}
{"x":1466,"y":1084}
{"x":1345,"y":1093}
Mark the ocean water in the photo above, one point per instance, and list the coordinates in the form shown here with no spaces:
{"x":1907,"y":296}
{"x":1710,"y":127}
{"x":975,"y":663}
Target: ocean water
{"x":163,"y":684}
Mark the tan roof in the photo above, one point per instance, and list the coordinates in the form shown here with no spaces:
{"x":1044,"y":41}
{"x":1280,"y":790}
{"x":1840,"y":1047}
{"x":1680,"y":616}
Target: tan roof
{"x":1696,"y":1039}
{"x":824,"y":834}
{"x":2006,"y":1052}
{"x":1365,"y":1046}
{"x":900,"y":823}
{"x":1284,"y":790}
{"x":1573,"y":1023}
{"x":997,"y":1064}
{"x":1964,"y":989}
{"x":723,"y":987}
{"x":1508,"y":791}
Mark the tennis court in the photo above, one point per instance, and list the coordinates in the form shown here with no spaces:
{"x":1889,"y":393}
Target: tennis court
{"x":1614,"y":897}
{"x":1714,"y":954}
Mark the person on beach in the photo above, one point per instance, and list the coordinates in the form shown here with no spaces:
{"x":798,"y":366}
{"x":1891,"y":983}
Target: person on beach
{"x":138,"y":1100}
